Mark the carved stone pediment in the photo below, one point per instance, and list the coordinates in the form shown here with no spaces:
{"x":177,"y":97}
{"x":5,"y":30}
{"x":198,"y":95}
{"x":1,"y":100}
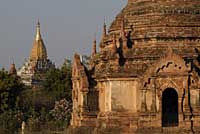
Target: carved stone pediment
{"x":171,"y":63}
{"x":170,"y":67}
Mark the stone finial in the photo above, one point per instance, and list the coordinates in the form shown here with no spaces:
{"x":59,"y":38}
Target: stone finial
{"x":104,"y":34}
{"x":12,"y":70}
{"x":94,"y":46}
{"x":104,"y":29}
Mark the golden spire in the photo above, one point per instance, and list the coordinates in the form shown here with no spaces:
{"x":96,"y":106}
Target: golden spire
{"x":38,"y":50}
{"x":38,"y":35}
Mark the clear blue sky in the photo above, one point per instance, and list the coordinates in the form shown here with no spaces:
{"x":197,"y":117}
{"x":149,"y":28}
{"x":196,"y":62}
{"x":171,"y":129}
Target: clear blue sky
{"x":67,"y":26}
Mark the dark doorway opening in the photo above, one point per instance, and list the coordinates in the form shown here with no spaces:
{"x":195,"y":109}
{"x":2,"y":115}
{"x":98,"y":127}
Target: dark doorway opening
{"x":169,"y":108}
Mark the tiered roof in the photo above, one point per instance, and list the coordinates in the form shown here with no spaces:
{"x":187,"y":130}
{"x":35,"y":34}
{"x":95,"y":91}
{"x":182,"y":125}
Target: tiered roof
{"x":141,"y":34}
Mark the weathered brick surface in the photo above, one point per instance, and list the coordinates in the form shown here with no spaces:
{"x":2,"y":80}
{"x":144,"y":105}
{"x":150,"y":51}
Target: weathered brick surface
{"x":152,"y":47}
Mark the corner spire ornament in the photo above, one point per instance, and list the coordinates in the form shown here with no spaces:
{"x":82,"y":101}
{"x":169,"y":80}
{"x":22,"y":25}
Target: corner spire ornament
{"x":104,"y":29}
{"x":12,"y":70}
{"x":94,"y":45}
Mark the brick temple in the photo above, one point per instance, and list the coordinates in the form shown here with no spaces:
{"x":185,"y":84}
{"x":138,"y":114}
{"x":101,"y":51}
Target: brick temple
{"x":145,"y":76}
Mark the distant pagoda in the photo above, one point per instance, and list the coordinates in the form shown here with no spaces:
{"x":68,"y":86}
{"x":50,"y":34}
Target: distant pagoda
{"x":38,"y":63}
{"x":12,"y":70}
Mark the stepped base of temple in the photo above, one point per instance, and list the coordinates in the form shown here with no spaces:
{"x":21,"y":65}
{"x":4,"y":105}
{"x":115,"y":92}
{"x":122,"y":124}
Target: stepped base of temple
{"x":129,"y":123}
{"x":168,"y":130}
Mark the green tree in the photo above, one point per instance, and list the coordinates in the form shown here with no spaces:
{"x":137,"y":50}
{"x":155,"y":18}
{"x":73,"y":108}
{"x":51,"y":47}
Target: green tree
{"x":58,"y":82}
{"x":10,"y":89}
{"x":37,"y":105}
{"x":58,"y":86}
{"x":10,"y":113}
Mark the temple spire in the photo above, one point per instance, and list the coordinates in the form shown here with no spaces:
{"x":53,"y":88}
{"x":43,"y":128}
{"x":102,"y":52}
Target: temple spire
{"x":94,"y":45}
{"x":38,"y":50}
{"x":38,"y":35}
{"x":104,"y":29}
{"x":12,"y":70}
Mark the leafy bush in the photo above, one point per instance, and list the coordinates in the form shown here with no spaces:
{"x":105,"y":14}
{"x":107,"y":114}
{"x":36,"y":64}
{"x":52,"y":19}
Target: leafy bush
{"x":48,"y":107}
{"x":10,"y":88}
{"x":62,"y":112}
{"x":11,"y":121}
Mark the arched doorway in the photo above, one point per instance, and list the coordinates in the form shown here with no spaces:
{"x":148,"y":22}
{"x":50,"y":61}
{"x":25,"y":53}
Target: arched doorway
{"x":169,"y":108}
